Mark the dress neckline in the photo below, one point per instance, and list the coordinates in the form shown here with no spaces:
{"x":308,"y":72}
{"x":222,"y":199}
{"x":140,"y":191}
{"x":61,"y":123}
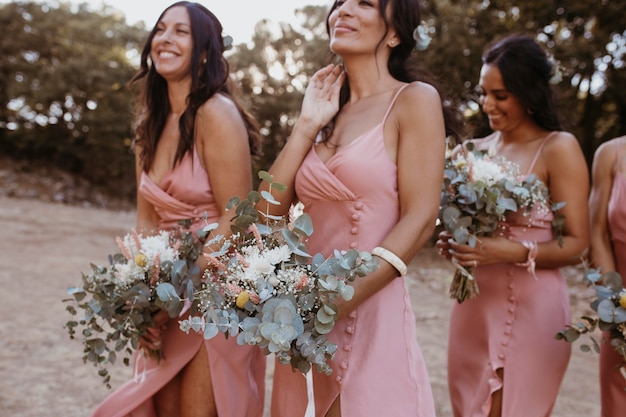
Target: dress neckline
{"x":171,"y":170}
{"x":367,"y":132}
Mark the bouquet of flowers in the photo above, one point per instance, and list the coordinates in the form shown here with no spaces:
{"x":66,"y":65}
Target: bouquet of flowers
{"x":264,"y":288}
{"x":610,"y":306}
{"x":479,"y":190}
{"x":118,"y":300}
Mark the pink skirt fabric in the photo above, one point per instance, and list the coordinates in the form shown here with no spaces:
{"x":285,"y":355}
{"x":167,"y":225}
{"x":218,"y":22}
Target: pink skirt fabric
{"x":237,"y":372}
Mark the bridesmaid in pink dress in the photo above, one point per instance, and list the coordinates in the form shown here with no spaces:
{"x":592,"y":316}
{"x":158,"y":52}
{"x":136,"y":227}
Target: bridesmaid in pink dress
{"x":366,"y":160}
{"x":607,"y":205}
{"x":503,"y":359}
{"x":193,"y":145}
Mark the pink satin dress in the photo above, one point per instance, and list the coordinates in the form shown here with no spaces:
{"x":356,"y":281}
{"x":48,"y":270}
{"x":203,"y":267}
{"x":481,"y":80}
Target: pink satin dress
{"x":237,"y":372}
{"x":511,"y":326}
{"x":378,"y":369}
{"x":612,"y":382}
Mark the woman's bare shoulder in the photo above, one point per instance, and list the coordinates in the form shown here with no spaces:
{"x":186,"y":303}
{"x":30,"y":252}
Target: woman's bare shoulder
{"x":218,"y":106}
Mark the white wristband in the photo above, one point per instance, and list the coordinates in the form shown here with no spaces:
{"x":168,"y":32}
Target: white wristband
{"x":392,"y":258}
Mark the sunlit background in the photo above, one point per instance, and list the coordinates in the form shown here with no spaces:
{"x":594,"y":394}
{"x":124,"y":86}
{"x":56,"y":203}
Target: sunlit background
{"x":64,"y":69}
{"x":238,"y":17}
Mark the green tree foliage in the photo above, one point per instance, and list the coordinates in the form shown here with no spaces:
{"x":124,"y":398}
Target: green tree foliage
{"x":63,"y":95}
{"x":63,"y":74}
{"x":587,"y":38}
{"x":273,"y":70}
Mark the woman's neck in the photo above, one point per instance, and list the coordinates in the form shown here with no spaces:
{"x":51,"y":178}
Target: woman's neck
{"x":368,"y":78}
{"x":178,"y":93}
{"x":522,"y":134}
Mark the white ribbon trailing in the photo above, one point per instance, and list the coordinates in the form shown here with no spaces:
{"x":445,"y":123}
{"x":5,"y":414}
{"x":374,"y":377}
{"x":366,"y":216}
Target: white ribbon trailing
{"x":310,"y":406}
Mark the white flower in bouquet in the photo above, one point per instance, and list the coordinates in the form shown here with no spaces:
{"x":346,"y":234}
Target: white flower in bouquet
{"x":118,"y":300}
{"x":279,"y":254}
{"x":479,"y":190}
{"x":264,"y":288}
{"x":258,"y":265}
{"x":128,"y":274}
{"x":160,"y":246}
{"x":487,"y":171}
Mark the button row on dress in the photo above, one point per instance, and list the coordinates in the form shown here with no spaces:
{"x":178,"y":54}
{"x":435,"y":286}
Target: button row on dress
{"x":356,"y":217}
{"x":509,"y":321}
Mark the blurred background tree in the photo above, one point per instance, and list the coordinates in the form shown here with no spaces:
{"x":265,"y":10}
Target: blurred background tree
{"x":63,"y":75}
{"x":273,"y":71}
{"x":63,"y":96}
{"x":587,"y":39}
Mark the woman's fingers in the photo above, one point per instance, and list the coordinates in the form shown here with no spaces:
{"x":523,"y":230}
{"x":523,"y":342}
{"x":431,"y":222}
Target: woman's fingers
{"x":465,"y":255}
{"x":151,"y":339}
{"x":160,"y":318}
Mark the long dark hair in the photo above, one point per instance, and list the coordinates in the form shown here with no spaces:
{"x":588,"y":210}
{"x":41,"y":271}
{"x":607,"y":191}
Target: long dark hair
{"x":209,"y":75}
{"x":406,"y":15}
{"x":526,"y":71}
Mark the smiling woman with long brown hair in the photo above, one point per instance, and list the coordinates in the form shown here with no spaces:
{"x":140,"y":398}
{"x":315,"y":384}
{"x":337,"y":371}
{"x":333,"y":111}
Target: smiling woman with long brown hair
{"x":193,"y":149}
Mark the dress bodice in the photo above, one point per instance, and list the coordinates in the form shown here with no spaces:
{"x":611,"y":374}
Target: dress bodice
{"x":353,"y":202}
{"x":535,"y":224}
{"x":358,"y":185}
{"x":184,"y":193}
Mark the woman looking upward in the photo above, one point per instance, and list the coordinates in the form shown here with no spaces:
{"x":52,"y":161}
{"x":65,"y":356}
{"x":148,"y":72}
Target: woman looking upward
{"x":366,"y":159}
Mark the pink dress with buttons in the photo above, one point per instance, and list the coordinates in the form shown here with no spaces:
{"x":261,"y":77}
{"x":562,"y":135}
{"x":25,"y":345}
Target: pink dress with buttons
{"x":510,"y":326}
{"x":378,"y":369}
{"x":612,"y":382}
{"x":237,"y":372}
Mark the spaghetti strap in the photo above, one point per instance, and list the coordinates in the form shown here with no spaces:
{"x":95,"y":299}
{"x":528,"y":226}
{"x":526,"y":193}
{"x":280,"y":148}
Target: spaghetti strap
{"x":393,"y":102}
{"x":543,"y":142}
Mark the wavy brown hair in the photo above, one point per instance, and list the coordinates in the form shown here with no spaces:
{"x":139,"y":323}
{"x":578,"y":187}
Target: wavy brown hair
{"x":526,"y":70}
{"x":209,"y":77}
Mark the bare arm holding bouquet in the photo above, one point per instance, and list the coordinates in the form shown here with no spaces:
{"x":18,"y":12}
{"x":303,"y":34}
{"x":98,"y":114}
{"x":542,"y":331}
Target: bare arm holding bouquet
{"x":514,"y":209}
{"x":567,"y":185}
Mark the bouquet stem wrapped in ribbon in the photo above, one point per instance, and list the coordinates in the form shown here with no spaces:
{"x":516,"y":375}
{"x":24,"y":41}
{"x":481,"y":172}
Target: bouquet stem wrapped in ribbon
{"x":479,"y":190}
{"x":264,"y":288}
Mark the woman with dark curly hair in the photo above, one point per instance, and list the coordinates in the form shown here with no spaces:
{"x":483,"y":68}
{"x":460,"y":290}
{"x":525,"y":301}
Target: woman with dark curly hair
{"x":503,"y":358}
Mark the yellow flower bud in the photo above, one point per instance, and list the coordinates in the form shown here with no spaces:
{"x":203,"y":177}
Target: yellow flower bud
{"x":140,"y":260}
{"x":622,"y":301}
{"x":242,"y":298}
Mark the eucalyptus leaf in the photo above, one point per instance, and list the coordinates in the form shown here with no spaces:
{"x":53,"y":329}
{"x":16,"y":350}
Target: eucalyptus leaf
{"x":209,"y":227}
{"x":293,"y":241}
{"x":461,"y":235}
{"x":210,"y":331}
{"x":323,"y":328}
{"x":263,"y":229}
{"x":612,"y":280}
{"x":347,"y":292}
{"x":265,"y":176}
{"x":592,"y":275}
{"x":606,"y":311}
{"x":232,"y":202}
{"x":304,"y":224}
{"x":620,"y":315}
{"x":269,"y":198}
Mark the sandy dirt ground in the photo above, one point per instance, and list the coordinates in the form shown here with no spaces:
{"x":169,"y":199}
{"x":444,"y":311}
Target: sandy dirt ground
{"x":44,"y":247}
